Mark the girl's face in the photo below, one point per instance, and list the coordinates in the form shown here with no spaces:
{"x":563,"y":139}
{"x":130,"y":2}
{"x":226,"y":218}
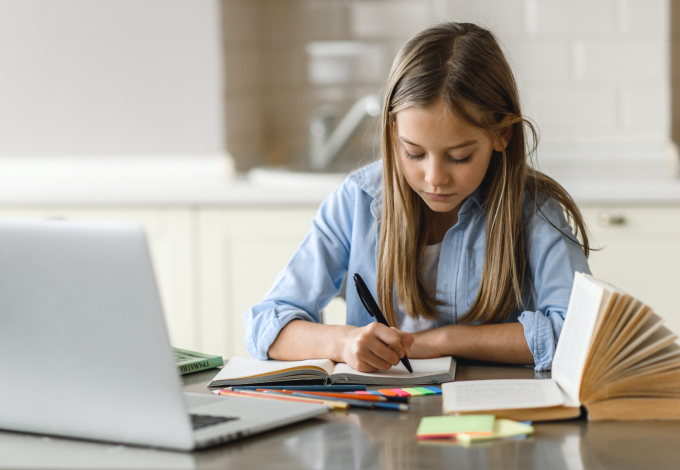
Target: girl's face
{"x":443,"y":158}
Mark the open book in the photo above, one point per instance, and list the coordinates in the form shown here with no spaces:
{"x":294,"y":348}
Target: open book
{"x":614,"y":357}
{"x":249,"y":371}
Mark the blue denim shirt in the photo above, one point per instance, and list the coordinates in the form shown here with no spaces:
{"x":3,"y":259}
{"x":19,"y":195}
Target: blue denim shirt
{"x":344,"y":238}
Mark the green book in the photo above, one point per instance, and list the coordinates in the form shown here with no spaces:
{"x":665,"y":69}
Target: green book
{"x":191,"y":361}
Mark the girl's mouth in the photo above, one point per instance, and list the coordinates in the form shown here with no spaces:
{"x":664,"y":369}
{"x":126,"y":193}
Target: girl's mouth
{"x":439,"y":197}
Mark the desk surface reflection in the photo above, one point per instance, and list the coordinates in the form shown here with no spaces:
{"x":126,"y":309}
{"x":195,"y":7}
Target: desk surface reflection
{"x":365,"y":439}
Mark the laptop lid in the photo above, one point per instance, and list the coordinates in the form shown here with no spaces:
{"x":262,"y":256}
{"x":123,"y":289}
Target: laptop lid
{"x":83,"y":344}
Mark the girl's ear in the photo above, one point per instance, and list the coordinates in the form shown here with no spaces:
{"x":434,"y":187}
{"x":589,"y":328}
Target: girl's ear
{"x":504,"y":136}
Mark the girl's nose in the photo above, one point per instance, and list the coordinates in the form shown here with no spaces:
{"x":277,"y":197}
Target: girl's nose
{"x":436,"y":174}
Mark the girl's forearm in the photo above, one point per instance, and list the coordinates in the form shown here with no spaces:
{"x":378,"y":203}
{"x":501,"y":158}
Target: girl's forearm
{"x":503,"y":342}
{"x":301,"y":339}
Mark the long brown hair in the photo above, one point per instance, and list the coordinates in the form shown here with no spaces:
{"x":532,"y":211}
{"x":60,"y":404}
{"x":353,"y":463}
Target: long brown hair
{"x":462,"y":65}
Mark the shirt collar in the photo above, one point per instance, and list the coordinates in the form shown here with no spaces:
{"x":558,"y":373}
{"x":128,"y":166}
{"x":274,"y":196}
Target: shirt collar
{"x":474,"y":199}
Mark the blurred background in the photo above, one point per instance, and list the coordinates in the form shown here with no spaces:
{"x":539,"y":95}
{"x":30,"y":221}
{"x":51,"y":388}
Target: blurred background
{"x":220,"y":126}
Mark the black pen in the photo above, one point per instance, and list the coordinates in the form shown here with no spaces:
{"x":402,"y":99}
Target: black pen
{"x":374,"y":311}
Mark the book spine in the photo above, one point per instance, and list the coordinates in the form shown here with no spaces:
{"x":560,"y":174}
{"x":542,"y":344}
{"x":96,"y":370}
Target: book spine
{"x":201,"y":365}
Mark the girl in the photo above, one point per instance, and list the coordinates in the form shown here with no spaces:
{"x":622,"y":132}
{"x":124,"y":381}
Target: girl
{"x":464,"y":246}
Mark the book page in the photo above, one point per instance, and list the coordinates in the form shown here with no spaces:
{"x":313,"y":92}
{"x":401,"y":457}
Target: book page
{"x":245,"y":367}
{"x":480,"y":395}
{"x":647,"y":341}
{"x":421,"y":368}
{"x":572,"y":348}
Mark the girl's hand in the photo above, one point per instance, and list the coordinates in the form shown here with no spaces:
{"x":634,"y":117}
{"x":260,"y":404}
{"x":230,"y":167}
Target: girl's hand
{"x":375,"y":347}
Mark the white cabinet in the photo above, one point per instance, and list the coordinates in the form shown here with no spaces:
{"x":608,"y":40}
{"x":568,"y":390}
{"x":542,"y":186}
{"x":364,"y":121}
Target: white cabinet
{"x":171,"y":240}
{"x":240,"y":252}
{"x":640,"y":254}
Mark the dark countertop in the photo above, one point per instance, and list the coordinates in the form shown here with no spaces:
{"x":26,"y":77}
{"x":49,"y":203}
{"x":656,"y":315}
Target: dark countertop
{"x":365,"y":439}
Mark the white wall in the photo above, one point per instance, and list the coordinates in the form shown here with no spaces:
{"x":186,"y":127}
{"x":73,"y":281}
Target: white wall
{"x":110,"y":77}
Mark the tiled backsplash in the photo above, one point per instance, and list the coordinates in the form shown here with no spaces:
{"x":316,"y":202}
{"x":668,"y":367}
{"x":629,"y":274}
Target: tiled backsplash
{"x":589,"y":71}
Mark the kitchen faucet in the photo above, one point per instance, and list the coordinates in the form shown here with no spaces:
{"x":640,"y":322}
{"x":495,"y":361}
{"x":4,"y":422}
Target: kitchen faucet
{"x":323,"y":149}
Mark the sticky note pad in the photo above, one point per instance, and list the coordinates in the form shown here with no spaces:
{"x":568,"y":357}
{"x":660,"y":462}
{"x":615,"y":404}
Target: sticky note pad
{"x":501,"y":428}
{"x":362,"y":392}
{"x":388,"y":392}
{"x":435,"y":390}
{"x":375,"y":392}
{"x":446,"y":427}
{"x":413,"y":392}
{"x":424,"y":391}
{"x":399,"y":392}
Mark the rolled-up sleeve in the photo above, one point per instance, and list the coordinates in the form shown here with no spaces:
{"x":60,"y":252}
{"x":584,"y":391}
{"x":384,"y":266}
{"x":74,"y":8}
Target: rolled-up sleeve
{"x":311,"y":278}
{"x":554,"y":257}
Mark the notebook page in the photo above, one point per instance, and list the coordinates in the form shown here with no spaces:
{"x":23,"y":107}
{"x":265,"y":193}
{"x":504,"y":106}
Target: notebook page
{"x":243,"y":367}
{"x":480,"y":395}
{"x":421,"y":368}
{"x":577,"y":332}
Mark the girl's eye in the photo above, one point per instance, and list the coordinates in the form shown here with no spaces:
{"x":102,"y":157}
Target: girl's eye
{"x":414,"y":157}
{"x":462,"y":160}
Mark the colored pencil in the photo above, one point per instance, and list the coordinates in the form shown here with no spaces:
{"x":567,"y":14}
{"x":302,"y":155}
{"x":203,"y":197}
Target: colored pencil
{"x":364,"y":404}
{"x":330,"y":403}
{"x":393,"y":398}
{"x":307,"y":388}
{"x":346,"y":396}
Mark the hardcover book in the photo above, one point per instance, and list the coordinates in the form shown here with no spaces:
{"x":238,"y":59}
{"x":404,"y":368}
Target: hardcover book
{"x":191,"y":361}
{"x":614,"y":357}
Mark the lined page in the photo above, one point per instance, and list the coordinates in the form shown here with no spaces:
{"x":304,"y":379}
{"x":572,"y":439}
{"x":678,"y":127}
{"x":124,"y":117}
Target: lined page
{"x":480,"y":395}
{"x":421,"y":368}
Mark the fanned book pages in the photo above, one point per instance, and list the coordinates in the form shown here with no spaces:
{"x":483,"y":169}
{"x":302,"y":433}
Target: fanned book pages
{"x":249,"y":371}
{"x":614,"y":357}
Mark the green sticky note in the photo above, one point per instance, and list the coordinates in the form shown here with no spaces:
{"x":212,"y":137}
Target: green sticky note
{"x":502,"y":428}
{"x":423,"y":391}
{"x":442,"y":427}
{"x":413,"y":392}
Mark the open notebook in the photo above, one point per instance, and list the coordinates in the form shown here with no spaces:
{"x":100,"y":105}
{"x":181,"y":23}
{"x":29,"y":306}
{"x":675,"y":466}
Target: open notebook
{"x":614,"y":357}
{"x":249,"y":371}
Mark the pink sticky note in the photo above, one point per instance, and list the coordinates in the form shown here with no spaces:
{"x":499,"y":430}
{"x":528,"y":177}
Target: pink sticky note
{"x":361,"y":392}
{"x":400,"y":393}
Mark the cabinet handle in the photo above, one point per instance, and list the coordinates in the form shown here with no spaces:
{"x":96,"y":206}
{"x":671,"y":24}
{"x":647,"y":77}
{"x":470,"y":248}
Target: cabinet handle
{"x":607,"y":220}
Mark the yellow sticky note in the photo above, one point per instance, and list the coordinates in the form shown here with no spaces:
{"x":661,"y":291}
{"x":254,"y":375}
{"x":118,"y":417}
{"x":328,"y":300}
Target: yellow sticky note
{"x":501,"y":428}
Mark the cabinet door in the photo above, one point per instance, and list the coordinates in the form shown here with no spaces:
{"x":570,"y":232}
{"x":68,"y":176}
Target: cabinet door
{"x":640,"y":254}
{"x":170,"y":238}
{"x":241,"y":251}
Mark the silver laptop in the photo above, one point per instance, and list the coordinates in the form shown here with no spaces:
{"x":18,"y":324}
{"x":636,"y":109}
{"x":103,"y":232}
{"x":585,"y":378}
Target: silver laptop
{"x":84,"y":350}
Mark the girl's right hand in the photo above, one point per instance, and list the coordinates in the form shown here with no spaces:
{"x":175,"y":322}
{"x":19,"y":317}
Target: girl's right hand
{"x":375,"y":347}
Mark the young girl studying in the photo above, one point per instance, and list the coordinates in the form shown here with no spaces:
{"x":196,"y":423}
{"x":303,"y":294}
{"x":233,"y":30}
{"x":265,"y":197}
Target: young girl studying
{"x":466,"y":248}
